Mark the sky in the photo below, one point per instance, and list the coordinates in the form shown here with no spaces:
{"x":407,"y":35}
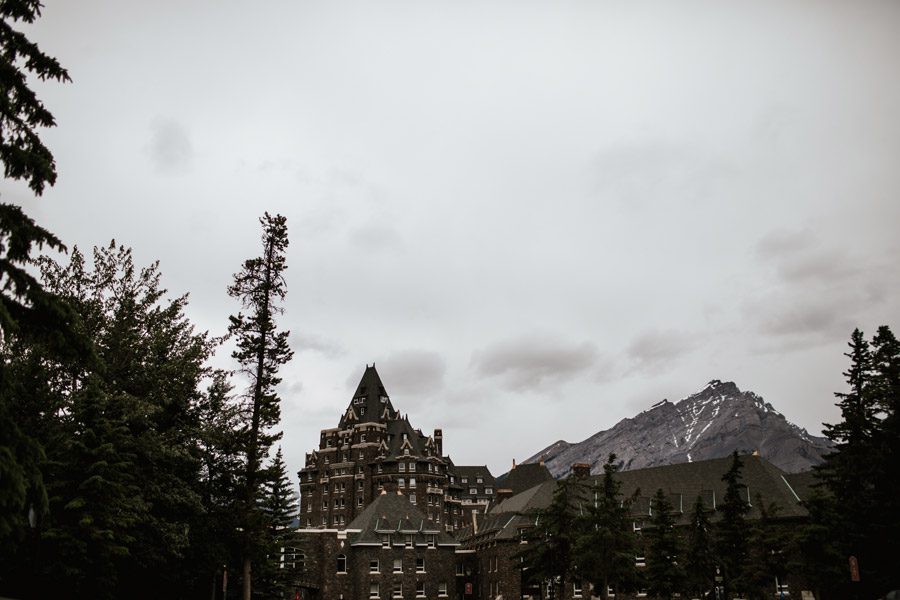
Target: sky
{"x":535,"y":218}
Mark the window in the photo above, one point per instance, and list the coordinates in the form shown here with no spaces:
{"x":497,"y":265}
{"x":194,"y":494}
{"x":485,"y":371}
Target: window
{"x":342,"y":563}
{"x":460,"y":570}
{"x":373,"y":565}
{"x":420,"y":589}
{"x":359,"y":485}
{"x":473,"y":491}
{"x":398,"y":565}
{"x":479,"y":480}
{"x":379,"y":468}
{"x":576,"y":590}
{"x":324,"y":504}
{"x":401,"y":483}
{"x":488,"y":491}
{"x":359,"y":500}
{"x":401,"y":467}
{"x":420,"y":565}
{"x":398,"y":590}
{"x":362,"y":411}
{"x":637,"y":525}
{"x":374,"y":592}
{"x":640,"y":561}
{"x":412,"y":467}
{"x":432,"y":541}
{"x":409,"y":541}
{"x":412,"y":497}
{"x":442,"y":590}
{"x":412,"y":482}
{"x":464,"y":480}
{"x":309,"y":507}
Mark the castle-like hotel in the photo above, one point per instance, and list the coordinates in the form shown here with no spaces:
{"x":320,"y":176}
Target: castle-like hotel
{"x":385,"y":514}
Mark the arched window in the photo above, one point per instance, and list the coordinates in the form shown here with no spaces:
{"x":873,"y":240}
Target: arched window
{"x":342,"y":563}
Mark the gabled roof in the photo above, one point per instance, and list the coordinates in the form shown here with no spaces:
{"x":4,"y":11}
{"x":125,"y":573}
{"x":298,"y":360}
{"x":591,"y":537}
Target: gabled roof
{"x":683,"y":482}
{"x":392,"y":513}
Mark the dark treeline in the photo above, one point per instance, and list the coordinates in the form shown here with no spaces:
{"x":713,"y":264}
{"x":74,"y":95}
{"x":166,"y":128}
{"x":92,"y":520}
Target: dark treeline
{"x":128,"y":468}
{"x":584,"y":535}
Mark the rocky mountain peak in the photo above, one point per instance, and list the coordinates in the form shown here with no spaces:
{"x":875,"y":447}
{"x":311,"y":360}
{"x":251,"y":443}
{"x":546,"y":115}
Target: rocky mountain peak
{"x":711,"y":423}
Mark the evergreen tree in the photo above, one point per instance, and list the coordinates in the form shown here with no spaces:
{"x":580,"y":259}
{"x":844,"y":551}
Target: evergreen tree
{"x":549,"y":556}
{"x":883,"y":560}
{"x":768,"y":544}
{"x":281,"y":508}
{"x":27,"y":312}
{"x":606,"y":550}
{"x":850,"y":471}
{"x":700,"y":558}
{"x":22,"y":152}
{"x":815,"y":556}
{"x":665,"y":575}
{"x":731,"y":531}
{"x":261,"y":350}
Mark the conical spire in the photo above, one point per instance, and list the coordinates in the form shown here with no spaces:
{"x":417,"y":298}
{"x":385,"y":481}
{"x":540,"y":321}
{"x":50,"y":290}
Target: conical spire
{"x":369,"y":401}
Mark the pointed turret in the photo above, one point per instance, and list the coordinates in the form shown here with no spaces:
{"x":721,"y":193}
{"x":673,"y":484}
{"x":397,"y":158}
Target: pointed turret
{"x":370,"y":402}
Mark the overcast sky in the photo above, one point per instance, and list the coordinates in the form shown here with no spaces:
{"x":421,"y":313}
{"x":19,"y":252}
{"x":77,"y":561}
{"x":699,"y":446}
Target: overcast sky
{"x":536,"y":218}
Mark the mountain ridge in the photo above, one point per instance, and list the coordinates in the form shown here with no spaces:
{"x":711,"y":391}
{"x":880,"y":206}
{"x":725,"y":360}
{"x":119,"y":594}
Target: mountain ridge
{"x":711,"y":423}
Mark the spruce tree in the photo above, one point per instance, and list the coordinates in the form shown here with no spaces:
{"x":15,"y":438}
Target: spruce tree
{"x":731,"y":532}
{"x":767,"y":548}
{"x":851,"y":470}
{"x":665,"y":573}
{"x":700,"y":558}
{"x":549,"y":556}
{"x":281,"y":508}
{"x":606,"y":550}
{"x":260,"y":351}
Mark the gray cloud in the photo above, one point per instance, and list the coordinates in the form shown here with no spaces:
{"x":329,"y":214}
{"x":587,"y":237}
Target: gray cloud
{"x":308,"y":342}
{"x":376,"y":238}
{"x":654,"y":349}
{"x":170,"y":147}
{"x":413,"y":372}
{"x":532,"y":360}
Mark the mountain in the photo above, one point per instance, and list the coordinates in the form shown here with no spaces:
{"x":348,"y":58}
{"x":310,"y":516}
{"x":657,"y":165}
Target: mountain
{"x":712,"y":423}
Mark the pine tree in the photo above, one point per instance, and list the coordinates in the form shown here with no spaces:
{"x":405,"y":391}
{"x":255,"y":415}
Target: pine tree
{"x":261,"y":350}
{"x":731,"y":532}
{"x":700,"y":559}
{"x":851,"y":470}
{"x":549,"y":556}
{"x":815,"y":556}
{"x":767,"y":549}
{"x":665,"y":575}
{"x":607,"y":547}
{"x":281,"y":508}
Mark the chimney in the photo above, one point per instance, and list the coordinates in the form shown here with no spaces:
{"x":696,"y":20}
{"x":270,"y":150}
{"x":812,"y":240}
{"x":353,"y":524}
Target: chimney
{"x":514,"y":464}
{"x":581,"y":470}
{"x":439,"y":441}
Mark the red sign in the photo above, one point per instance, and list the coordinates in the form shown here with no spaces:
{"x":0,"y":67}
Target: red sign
{"x":468,"y":589}
{"x":854,"y":569}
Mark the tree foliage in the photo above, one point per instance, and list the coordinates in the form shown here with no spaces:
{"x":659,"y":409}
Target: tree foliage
{"x":700,"y":558}
{"x":665,"y":574}
{"x":731,"y":531}
{"x":606,"y":550}
{"x":550,"y":554}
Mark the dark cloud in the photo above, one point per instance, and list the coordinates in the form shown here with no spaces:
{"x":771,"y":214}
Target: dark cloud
{"x":653,"y":349}
{"x":532,"y":360}
{"x":308,"y":342}
{"x":412,"y":372}
{"x":170,"y":147}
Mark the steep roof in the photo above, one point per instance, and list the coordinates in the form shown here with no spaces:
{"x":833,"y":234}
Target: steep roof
{"x":370,"y":402}
{"x":392,"y":513}
{"x":523,"y":477}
